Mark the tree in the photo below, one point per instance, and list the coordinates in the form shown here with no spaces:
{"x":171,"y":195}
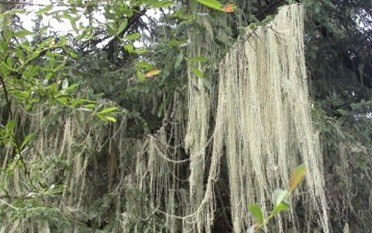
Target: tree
{"x":96,"y":133}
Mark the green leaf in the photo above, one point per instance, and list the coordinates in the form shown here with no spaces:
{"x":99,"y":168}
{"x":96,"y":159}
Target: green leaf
{"x":279,"y":196}
{"x":160,"y":4}
{"x":3,"y":45}
{"x":198,"y":73}
{"x":122,"y":26}
{"x":73,"y":55}
{"x":112,"y":119}
{"x":23,"y":33}
{"x":26,"y":140}
{"x":107,"y":110}
{"x":9,"y":62}
{"x":19,"y":54}
{"x":129,"y":48}
{"x":141,"y":77}
{"x":44,"y":10}
{"x":4,"y":69}
{"x":141,"y":51}
{"x":134,"y":36}
{"x":62,"y":99}
{"x":197,"y":59}
{"x":257,"y":213}
{"x":89,"y":106}
{"x":79,"y":102}
{"x":211,"y":4}
{"x":10,"y":125}
{"x":279,"y":208}
{"x":144,"y":65}
{"x":296,"y":177}
{"x":71,"y":88}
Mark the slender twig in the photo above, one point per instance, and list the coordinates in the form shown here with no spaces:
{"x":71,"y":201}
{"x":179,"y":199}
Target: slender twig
{"x":6,"y":203}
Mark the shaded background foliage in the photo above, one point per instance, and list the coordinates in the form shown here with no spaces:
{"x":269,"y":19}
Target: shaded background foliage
{"x":108,"y":68}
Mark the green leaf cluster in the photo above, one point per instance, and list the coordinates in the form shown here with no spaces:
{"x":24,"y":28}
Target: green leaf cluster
{"x":280,"y":201}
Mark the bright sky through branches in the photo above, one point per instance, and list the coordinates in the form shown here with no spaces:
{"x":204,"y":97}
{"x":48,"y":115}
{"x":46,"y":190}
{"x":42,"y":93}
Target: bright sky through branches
{"x":27,"y":20}
{"x":63,"y":26}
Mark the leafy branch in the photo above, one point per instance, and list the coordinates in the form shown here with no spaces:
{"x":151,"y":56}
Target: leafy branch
{"x":280,"y":200}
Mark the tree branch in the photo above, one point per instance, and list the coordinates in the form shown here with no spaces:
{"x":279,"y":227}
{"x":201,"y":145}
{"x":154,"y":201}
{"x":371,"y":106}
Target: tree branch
{"x":131,"y":22}
{"x":8,"y":104}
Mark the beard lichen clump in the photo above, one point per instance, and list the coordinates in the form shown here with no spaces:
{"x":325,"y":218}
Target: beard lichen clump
{"x":268,"y":122}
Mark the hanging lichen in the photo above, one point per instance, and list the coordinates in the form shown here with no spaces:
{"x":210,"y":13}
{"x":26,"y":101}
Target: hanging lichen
{"x":268,"y":121}
{"x":198,"y":121}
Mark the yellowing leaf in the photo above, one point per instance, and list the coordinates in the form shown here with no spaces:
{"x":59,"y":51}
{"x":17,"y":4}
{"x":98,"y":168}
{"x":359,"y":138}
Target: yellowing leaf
{"x":229,"y":8}
{"x":152,"y":73}
{"x":296,"y":177}
{"x":214,"y":4}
